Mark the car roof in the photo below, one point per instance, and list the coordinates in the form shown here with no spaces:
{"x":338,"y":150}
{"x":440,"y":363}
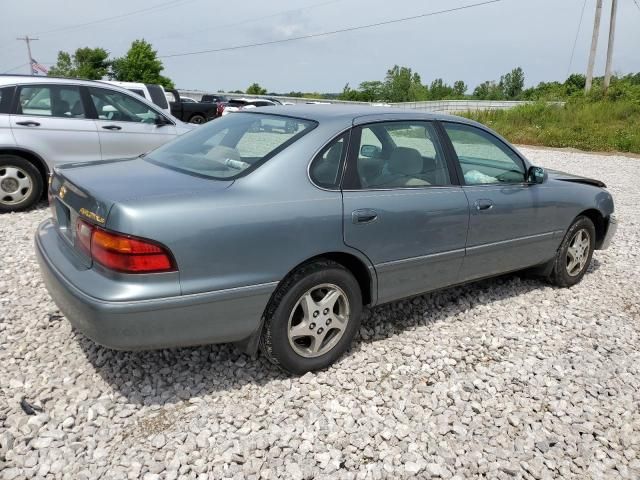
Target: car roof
{"x":356,"y":113}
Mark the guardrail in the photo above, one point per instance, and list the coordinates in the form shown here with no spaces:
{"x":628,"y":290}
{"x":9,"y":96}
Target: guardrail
{"x":441,"y":106}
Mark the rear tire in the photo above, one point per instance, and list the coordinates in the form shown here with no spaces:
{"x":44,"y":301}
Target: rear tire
{"x":312,"y":318}
{"x":21,"y":184}
{"x":197,"y":119}
{"x":575,"y":253}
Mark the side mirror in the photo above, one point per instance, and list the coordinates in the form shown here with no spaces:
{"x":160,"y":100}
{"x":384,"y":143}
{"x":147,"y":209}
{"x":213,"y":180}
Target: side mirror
{"x":536,"y":175}
{"x":161,"y":121}
{"x":370,"y":151}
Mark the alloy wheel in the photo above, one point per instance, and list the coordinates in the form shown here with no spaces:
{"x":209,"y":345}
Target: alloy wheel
{"x":15,"y":185}
{"x":578,"y":252}
{"x":318,"y":320}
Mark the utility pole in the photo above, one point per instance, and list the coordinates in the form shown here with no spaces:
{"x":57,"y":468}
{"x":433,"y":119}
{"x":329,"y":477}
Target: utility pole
{"x":594,"y":46}
{"x":28,"y":41}
{"x":612,"y":31}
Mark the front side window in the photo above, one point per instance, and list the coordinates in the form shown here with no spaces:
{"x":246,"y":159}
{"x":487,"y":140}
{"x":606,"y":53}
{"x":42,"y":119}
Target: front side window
{"x":400,"y":155}
{"x":51,"y":101}
{"x":120,"y":107}
{"x":231,"y":146}
{"x":483,"y":158}
{"x":326,"y":167}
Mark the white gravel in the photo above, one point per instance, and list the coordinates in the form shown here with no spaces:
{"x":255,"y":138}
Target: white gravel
{"x":507,"y":378}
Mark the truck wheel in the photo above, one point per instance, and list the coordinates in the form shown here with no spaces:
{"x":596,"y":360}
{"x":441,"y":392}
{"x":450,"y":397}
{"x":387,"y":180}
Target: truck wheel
{"x":20,"y":183}
{"x":198,"y":119}
{"x":312,"y":317}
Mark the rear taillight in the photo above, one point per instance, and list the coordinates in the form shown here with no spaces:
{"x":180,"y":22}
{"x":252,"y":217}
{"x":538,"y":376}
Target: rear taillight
{"x":122,"y":253}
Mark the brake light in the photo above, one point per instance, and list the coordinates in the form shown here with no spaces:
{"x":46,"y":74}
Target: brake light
{"x":122,"y":253}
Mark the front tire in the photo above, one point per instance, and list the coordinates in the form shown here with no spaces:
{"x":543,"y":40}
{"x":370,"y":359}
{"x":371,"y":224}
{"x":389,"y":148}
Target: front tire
{"x":312,"y":318}
{"x":575,"y":253}
{"x":20,"y":183}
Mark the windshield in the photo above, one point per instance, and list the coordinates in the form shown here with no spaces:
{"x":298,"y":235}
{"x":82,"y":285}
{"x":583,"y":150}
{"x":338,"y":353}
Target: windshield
{"x":231,"y":146}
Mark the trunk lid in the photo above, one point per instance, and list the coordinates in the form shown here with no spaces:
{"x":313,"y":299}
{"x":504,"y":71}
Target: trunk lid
{"x":89,"y":190}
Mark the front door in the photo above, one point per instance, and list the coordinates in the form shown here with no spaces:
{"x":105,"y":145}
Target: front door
{"x":402,"y":209}
{"x":509,"y":224}
{"x":127,"y":126}
{"x":51,"y":121}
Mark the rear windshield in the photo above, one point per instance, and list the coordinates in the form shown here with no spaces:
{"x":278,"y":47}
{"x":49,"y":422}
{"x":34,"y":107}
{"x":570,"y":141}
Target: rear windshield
{"x":231,"y":146}
{"x":157,"y":95}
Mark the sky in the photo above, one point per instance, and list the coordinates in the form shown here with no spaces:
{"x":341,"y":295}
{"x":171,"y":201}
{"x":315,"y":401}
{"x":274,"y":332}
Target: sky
{"x":474,"y":44}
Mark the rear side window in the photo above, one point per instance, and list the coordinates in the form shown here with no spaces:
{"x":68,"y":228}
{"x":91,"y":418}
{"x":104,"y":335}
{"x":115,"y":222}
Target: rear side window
{"x":326,"y":167}
{"x":50,"y":101}
{"x":6,"y":95}
{"x":231,"y":146}
{"x":157,"y":95}
{"x":395,"y":155}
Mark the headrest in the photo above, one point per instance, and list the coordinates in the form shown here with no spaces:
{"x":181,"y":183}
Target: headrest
{"x":369,"y":168}
{"x":406,"y":161}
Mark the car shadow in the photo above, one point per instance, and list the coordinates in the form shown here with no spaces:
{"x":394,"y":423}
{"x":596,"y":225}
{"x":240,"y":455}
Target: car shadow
{"x":169,"y":376}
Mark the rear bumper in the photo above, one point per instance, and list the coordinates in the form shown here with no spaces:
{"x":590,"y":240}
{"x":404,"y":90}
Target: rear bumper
{"x":223,"y":316}
{"x":612,"y":227}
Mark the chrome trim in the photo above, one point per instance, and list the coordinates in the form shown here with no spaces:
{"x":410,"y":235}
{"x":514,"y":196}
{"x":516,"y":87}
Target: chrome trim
{"x":432,"y":256}
{"x":513,"y":240}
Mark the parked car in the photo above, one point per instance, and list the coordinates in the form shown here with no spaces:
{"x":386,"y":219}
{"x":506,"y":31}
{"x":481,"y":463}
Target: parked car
{"x":234,"y":233}
{"x":192,"y":112}
{"x":214,"y":98}
{"x":152,"y":92}
{"x":188,"y":100}
{"x":46,"y":121}
{"x":238,"y":104}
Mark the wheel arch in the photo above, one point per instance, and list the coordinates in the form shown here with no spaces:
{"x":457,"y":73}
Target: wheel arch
{"x":32,"y":157}
{"x":599,"y":222}
{"x":359,"y":268}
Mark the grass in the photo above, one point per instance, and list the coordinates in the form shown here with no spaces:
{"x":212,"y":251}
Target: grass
{"x":606,"y":126}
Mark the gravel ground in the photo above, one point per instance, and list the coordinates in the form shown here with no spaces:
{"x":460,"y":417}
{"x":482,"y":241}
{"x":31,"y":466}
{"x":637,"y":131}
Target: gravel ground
{"x":507,"y":378}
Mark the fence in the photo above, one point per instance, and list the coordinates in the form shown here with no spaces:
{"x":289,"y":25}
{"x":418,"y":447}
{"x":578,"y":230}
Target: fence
{"x":441,"y":106}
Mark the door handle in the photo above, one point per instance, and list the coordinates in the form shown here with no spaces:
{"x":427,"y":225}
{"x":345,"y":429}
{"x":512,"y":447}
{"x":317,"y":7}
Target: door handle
{"x":112,"y":127}
{"x":28,"y":123}
{"x":364,"y":215}
{"x":483,"y":204}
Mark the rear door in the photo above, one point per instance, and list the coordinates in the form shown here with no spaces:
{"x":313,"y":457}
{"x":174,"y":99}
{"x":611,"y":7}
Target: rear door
{"x":403,"y":207}
{"x":52,"y":121}
{"x":509,"y":225}
{"x":127,"y":126}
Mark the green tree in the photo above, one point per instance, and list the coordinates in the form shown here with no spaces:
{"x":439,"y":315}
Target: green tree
{"x":459,"y":88}
{"x":371,"y":91}
{"x":256,"y":89}
{"x":512,"y":83}
{"x":89,"y":63}
{"x":439,"y":90}
{"x":140,"y":64}
{"x":488,"y":90}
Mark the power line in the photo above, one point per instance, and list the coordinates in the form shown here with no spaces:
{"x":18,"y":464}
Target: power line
{"x":16,"y":67}
{"x":256,"y":19}
{"x":637,"y":3}
{"x":575,"y":40}
{"x":333,"y":32}
{"x":162,"y":6}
